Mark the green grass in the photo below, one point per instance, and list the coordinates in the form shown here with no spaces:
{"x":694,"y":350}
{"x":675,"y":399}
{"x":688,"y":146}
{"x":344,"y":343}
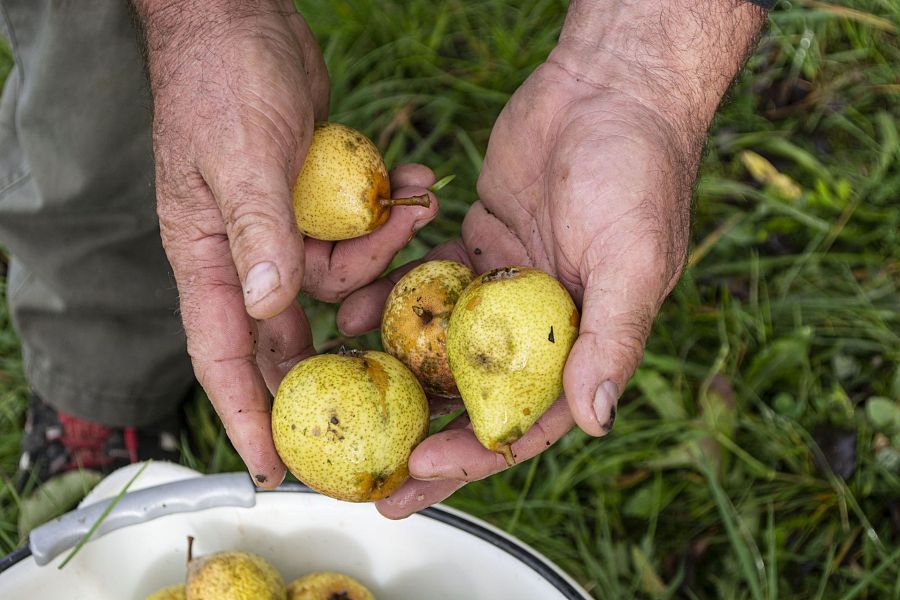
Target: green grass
{"x":785,"y":329}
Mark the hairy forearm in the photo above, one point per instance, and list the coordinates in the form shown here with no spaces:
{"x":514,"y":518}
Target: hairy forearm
{"x":679,"y":56}
{"x":170,"y":24}
{"x":194,"y":13}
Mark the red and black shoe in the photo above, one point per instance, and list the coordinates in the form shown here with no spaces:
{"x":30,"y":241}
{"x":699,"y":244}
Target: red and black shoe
{"x":55,"y":442}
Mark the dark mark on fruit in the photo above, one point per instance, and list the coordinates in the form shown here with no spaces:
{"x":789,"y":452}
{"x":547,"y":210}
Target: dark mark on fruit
{"x":477,"y":251}
{"x":261,"y":478}
{"x":293,"y":426}
{"x":550,"y":337}
{"x":466,"y":473}
{"x":334,"y":420}
{"x":424,"y":314}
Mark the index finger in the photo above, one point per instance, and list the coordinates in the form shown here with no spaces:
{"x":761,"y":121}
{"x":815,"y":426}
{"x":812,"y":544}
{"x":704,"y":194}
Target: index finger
{"x":221,"y":338}
{"x":447,"y":460}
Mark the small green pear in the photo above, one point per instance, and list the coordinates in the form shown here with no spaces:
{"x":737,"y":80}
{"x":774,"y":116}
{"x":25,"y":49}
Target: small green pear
{"x":328,"y":585}
{"x":416,"y":317}
{"x":508,"y":341}
{"x":343,"y":190}
{"x":173,"y":592}
{"x":232,"y":575}
{"x":345,"y":424}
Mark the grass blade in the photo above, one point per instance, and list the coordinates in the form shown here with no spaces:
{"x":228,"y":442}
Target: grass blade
{"x":752,"y":566}
{"x":103,"y":515}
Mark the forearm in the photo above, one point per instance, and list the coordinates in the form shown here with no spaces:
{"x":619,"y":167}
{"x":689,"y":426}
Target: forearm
{"x":197,"y":13}
{"x":170,"y":25}
{"x":679,"y":56}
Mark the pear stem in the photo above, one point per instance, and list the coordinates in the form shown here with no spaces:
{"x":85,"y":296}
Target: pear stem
{"x":422,"y":200}
{"x":506,"y":451}
{"x":190,"y":552}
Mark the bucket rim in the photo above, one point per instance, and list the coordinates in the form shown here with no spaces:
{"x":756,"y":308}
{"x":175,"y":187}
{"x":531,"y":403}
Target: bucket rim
{"x":446,"y":515}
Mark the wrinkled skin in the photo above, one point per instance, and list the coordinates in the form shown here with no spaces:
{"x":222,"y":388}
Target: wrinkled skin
{"x":593,"y":187}
{"x":237,"y":88}
{"x":587,"y":175}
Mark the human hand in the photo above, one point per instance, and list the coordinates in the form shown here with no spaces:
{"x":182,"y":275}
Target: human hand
{"x":237,"y":88}
{"x":588,"y":176}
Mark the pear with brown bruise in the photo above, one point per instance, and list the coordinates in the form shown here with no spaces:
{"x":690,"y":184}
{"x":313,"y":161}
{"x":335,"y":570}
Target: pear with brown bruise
{"x":328,"y":585}
{"x":415,"y":321}
{"x":232,"y":575}
{"x":343,"y":190}
{"x":173,"y":592}
{"x":509,"y":337}
{"x":345,"y":424}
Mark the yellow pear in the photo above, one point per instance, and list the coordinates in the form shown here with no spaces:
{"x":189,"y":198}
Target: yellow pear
{"x":508,"y":341}
{"x":232,"y":575}
{"x":173,"y":592}
{"x":345,"y":424}
{"x":416,"y":317}
{"x":328,"y":585}
{"x":343,"y":190}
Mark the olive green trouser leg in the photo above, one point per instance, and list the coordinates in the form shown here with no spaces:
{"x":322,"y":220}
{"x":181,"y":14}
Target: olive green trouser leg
{"x":89,"y":286}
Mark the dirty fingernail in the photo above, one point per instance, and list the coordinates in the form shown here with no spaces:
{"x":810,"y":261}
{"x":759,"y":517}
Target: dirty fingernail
{"x":261,"y":280}
{"x":605,"y":401}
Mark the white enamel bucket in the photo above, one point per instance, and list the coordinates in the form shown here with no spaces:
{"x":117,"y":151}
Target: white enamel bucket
{"x":438,"y":554}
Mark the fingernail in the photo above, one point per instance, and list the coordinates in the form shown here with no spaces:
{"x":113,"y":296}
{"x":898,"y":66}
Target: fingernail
{"x":261,"y":280}
{"x":266,"y":481}
{"x":605,"y":401}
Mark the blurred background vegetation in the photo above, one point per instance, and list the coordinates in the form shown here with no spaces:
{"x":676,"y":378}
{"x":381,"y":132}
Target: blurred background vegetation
{"x":757,"y":450}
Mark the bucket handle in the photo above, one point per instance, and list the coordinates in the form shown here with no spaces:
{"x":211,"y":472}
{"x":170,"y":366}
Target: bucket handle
{"x":187,"y":495}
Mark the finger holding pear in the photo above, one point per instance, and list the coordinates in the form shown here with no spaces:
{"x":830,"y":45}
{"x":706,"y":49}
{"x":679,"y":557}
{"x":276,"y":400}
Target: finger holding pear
{"x":343,"y":190}
{"x":353,"y":213}
{"x":345,"y":424}
{"x":415,"y":321}
{"x":506,"y":342}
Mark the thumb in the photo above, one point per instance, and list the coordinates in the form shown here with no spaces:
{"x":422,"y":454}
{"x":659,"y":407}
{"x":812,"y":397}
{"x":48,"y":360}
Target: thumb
{"x":265,"y":244}
{"x":618,"y":310}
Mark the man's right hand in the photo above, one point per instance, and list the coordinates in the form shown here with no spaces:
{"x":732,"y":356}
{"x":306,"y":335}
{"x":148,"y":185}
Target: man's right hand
{"x":237,"y":87}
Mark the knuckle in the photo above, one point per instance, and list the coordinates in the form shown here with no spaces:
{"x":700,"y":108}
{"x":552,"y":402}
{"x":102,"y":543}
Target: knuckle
{"x":323,"y":284}
{"x":187,"y":223}
{"x":625,"y":345}
{"x":250,"y":227}
{"x":329,"y":294}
